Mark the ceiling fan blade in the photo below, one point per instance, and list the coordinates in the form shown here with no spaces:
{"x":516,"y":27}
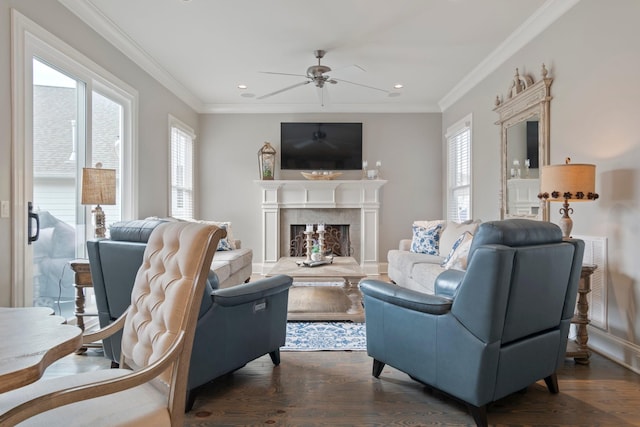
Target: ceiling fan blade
{"x":359,"y":84}
{"x":284,"y":89}
{"x":283,"y":74}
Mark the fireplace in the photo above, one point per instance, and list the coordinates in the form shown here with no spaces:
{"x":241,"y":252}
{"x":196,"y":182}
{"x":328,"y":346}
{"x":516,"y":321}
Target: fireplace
{"x":295,"y":217}
{"x":291,"y":202}
{"x":336,"y":240}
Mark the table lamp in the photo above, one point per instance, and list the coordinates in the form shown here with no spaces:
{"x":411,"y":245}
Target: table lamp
{"x":99,"y":188}
{"x":568,"y":183}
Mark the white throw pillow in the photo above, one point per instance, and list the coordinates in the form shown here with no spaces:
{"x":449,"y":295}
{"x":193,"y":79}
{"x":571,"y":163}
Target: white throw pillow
{"x":452,"y":230}
{"x":457,"y":258}
{"x":426,"y":237}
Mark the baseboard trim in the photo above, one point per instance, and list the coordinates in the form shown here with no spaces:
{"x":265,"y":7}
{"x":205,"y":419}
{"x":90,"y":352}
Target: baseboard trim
{"x":618,"y":350}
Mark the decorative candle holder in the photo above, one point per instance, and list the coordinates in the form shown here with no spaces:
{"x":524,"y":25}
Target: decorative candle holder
{"x":321,"y":242}
{"x":309,"y":239}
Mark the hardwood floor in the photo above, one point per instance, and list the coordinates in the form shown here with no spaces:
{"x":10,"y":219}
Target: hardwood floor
{"x":335,"y":388}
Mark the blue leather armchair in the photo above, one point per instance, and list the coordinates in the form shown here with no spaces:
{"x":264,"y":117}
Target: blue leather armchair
{"x":235,"y":325}
{"x":487,"y":332}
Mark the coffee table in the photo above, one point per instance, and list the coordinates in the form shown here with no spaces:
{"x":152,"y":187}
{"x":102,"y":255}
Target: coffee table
{"x":324,"y":292}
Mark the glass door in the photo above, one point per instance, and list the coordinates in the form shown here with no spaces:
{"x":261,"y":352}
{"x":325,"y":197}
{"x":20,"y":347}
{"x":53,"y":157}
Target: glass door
{"x":65,"y":113}
{"x":57,"y":153}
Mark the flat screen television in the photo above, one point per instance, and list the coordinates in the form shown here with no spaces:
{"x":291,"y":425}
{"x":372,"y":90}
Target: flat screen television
{"x":321,"y":146}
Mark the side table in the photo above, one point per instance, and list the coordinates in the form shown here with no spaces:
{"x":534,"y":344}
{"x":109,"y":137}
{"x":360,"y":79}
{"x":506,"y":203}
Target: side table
{"x":578,"y":349}
{"x":82,"y":280}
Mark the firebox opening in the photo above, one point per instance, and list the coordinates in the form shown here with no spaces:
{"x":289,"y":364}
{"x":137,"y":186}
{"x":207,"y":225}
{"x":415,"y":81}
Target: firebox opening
{"x":336,"y":237}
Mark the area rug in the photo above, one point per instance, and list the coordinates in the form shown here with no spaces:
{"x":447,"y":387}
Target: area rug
{"x":320,"y":336}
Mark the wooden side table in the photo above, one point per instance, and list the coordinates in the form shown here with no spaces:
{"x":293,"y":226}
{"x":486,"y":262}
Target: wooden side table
{"x":82,"y":280}
{"x":578,"y":349}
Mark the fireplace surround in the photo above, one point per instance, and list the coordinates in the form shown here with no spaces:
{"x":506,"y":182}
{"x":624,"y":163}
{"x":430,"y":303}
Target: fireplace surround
{"x":353,"y":202}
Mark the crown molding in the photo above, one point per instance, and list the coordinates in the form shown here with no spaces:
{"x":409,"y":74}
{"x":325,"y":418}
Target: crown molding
{"x":90,"y":15}
{"x":316,"y":108}
{"x":548,"y":13}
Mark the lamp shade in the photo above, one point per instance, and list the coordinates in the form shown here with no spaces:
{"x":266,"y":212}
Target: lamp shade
{"x":571,"y":182}
{"x":98,"y":186}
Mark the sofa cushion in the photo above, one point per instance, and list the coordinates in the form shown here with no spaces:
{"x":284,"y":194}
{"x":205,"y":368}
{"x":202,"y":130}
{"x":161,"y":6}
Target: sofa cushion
{"x":426,"y":239}
{"x":403,"y":260}
{"x":237,"y":259}
{"x":425,"y":274}
{"x":452,"y":230}
{"x":221,"y":268}
{"x":457,"y":258}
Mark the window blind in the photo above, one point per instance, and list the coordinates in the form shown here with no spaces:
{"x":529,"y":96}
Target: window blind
{"x":459,"y":171}
{"x":182,"y":142}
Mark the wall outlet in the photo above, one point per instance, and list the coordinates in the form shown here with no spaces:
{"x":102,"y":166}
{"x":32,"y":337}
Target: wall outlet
{"x":4,"y":209}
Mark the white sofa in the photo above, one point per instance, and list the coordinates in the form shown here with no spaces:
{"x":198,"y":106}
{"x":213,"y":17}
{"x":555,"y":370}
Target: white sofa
{"x":233,"y":267}
{"x":232,"y":263}
{"x":418,"y":271}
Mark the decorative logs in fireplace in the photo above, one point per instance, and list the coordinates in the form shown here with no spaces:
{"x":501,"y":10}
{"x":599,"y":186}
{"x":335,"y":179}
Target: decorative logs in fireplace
{"x":336,"y":239}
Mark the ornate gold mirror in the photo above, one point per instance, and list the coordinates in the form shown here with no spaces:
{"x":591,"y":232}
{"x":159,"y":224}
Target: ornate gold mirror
{"x":524,"y":135}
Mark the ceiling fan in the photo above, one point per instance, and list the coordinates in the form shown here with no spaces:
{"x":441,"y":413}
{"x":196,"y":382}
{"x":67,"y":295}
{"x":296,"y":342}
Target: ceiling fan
{"x":316,"y":74}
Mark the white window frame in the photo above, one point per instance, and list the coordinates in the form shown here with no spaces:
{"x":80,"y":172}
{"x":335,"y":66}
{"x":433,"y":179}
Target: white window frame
{"x":452,"y":136}
{"x":176,"y":125}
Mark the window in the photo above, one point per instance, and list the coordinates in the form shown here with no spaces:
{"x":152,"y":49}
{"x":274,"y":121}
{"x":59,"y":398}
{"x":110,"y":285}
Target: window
{"x":181,"y":158}
{"x":459,"y":171}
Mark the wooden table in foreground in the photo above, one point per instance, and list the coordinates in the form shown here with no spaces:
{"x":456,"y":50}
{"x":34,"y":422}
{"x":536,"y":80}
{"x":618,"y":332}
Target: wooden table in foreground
{"x":345,"y":267}
{"x":31,"y":339}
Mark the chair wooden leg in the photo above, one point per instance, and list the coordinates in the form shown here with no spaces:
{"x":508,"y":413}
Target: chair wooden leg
{"x":377,"y":368}
{"x":275,"y":357}
{"x":479,"y":414}
{"x":552,"y":383}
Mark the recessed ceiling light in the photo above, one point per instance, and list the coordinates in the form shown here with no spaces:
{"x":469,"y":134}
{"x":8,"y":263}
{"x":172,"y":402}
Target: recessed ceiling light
{"x":398,"y":86}
{"x":242,"y":86}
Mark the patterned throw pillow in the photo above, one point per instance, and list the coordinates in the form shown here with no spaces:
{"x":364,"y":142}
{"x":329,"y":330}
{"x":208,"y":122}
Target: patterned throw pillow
{"x":426,"y":240}
{"x":457,"y":258}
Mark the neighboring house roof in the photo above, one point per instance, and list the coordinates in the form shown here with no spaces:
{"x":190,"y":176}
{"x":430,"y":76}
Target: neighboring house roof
{"x":54,"y":110}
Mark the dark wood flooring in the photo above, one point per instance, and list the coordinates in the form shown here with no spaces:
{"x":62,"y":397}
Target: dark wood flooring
{"x":335,"y":388}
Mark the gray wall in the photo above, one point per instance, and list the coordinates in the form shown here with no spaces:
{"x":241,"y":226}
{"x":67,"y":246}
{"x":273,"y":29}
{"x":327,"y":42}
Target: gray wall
{"x":155,"y":103}
{"x":592,"y":53}
{"x":409,"y":146}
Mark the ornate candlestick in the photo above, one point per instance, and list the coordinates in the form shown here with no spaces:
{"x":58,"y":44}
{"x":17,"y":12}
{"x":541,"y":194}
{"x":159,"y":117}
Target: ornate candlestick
{"x":308,"y":237}
{"x":321,"y":240}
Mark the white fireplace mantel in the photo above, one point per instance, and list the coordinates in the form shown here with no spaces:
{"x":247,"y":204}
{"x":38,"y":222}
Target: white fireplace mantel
{"x":321,"y":194}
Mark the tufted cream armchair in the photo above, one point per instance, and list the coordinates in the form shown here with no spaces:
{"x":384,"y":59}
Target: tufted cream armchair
{"x":149,"y":388}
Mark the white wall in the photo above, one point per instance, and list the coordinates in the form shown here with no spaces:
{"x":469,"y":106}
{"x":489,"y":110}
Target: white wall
{"x":409,"y":146}
{"x":155,"y":103}
{"x":592,"y":54}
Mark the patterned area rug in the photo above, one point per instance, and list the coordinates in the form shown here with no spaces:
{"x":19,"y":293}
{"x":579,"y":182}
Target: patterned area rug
{"x":319,"y":336}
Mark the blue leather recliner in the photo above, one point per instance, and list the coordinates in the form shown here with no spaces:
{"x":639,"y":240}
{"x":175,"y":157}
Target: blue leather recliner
{"x":235,"y":325}
{"x":490,"y":331}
